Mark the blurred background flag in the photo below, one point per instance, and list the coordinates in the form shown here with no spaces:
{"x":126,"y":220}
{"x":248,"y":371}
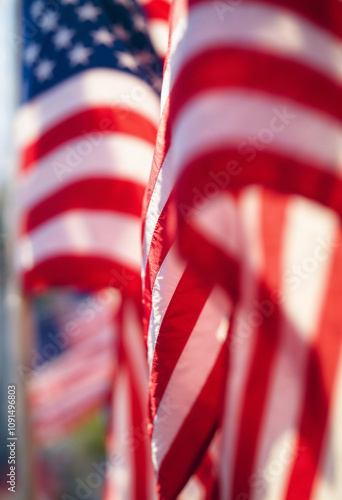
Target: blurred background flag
{"x":74,"y":363}
{"x":254,"y":123}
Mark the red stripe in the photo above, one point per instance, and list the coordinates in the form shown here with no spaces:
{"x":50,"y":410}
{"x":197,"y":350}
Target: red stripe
{"x":162,"y":146}
{"x":157,"y":9}
{"x":174,"y":334}
{"x":267,"y":343}
{"x":192,"y":440}
{"x":103,"y":119}
{"x":229,"y":67}
{"x":113,"y":195}
{"x":325,"y":13}
{"x":320,"y":378}
{"x":281,"y":173}
{"x":87,"y":273}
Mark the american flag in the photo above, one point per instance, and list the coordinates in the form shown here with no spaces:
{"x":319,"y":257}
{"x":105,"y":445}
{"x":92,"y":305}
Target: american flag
{"x":246,"y":176}
{"x":73,"y":362}
{"x":187,"y":363}
{"x":85,"y":131}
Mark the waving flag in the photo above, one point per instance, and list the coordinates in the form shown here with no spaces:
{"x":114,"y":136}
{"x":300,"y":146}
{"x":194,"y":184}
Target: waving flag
{"x":187,"y":365}
{"x":86,"y":131}
{"x":251,"y":156}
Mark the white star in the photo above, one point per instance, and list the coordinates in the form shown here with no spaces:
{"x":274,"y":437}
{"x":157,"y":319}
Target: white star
{"x":139,"y":23}
{"x":31,"y":53}
{"x":103,"y":36}
{"x":44,"y":70}
{"x":62,"y":38}
{"x":121,"y":33}
{"x":88,"y":12}
{"x":126,"y":60}
{"x":79,"y":54}
{"x":37,"y":8}
{"x":69,"y":2}
{"x":49,"y":22}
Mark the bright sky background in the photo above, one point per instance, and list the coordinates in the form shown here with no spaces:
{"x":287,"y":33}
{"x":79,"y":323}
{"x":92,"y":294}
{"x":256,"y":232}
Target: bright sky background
{"x":8,"y":84}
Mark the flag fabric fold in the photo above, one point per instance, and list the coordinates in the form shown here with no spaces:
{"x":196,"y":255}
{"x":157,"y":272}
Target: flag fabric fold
{"x":244,"y":191}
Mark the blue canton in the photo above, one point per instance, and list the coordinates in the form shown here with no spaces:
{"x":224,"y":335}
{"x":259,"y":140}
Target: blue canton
{"x":65,"y":37}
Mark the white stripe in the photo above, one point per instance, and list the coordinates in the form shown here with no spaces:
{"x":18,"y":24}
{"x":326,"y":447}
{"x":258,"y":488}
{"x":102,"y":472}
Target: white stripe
{"x":159,"y":33}
{"x":255,"y":26}
{"x":275,"y":473}
{"x":83,"y":232}
{"x":166,"y":282}
{"x":307,"y":263}
{"x":91,"y":88}
{"x":306,"y":134}
{"x":111,"y":157}
{"x":189,"y":377}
